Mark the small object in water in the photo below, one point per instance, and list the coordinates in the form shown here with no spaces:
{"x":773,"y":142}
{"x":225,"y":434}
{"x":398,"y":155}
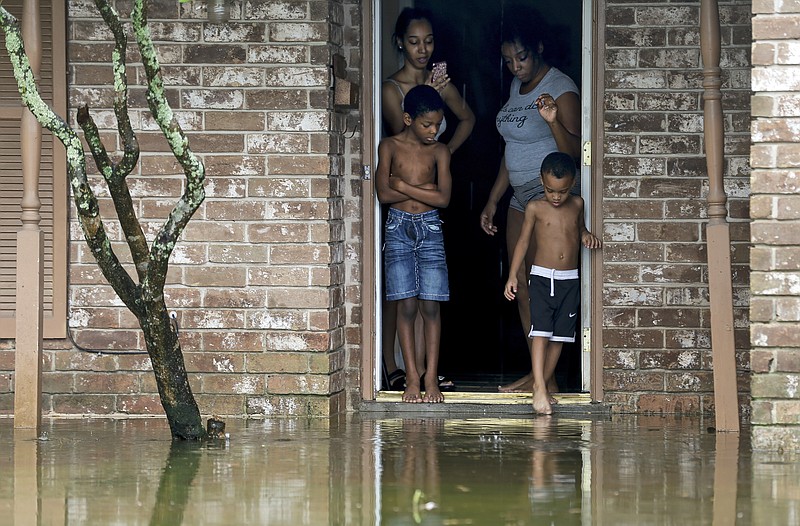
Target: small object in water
{"x":418,"y":505}
{"x":415,"y":507}
{"x":215,"y":428}
{"x":43,"y":437}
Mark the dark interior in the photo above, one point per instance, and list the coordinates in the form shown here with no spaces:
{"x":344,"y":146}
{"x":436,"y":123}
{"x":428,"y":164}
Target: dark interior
{"x":483,"y":343}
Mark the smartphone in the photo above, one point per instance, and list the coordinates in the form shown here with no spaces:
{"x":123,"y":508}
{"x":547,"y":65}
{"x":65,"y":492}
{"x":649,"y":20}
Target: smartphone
{"x":439,"y":71}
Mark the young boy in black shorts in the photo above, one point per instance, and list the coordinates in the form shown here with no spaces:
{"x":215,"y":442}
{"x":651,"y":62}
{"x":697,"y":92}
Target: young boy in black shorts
{"x":556,"y":224}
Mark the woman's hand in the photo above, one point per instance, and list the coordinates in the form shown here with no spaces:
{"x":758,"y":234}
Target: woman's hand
{"x":487,"y":218}
{"x":548,"y":108}
{"x":495,"y":194}
{"x":440,"y":83}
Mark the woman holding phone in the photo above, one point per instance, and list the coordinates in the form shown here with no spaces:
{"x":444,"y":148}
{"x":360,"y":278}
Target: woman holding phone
{"x":413,"y":37}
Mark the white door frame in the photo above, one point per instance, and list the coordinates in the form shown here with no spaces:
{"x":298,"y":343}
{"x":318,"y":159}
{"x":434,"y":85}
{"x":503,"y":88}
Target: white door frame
{"x":591,"y":360}
{"x":586,"y":192}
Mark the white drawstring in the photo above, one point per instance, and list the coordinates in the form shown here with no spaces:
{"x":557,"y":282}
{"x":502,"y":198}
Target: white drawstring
{"x":553,"y":275}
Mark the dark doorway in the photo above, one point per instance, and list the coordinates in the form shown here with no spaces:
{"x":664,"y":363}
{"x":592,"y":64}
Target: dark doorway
{"x":483,"y":343}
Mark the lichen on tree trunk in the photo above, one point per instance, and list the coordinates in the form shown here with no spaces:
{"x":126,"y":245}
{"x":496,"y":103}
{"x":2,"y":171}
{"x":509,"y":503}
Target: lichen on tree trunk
{"x":145,"y":298}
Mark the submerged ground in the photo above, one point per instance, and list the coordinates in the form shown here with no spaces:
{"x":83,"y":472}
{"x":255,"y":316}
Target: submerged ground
{"x":396,"y":471}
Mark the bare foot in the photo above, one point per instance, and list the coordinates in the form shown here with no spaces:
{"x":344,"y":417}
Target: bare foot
{"x":541,"y":403}
{"x":432,"y":393}
{"x":523,"y":385}
{"x":433,"y":396}
{"x":523,"y":388}
{"x":550,"y":397}
{"x":412,"y":394}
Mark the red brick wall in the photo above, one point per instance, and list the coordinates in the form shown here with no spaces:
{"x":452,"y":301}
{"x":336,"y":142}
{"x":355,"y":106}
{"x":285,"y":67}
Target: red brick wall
{"x":258,"y":280}
{"x":656,"y":334}
{"x":775,"y":236}
{"x":266,"y":282}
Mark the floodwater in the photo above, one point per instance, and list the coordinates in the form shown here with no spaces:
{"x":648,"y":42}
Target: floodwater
{"x":362,"y":470}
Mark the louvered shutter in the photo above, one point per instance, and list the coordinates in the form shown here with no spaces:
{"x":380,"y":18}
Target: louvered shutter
{"x":52,"y":178}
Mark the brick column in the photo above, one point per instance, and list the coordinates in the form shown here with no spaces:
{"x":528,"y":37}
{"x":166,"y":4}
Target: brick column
{"x":775,"y":233}
{"x":656,"y":337}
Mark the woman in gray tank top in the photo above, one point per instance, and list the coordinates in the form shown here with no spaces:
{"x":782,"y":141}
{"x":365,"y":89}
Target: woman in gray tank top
{"x":542,"y":115}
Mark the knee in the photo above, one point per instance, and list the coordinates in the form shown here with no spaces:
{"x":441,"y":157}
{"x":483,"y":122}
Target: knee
{"x":407,"y":310}
{"x":429,"y":309}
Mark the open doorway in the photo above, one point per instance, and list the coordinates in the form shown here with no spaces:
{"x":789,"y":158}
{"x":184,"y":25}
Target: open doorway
{"x":483,"y":342}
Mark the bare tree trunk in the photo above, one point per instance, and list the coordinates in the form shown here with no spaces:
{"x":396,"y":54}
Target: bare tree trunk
{"x":144,"y":299}
{"x":165,"y":353}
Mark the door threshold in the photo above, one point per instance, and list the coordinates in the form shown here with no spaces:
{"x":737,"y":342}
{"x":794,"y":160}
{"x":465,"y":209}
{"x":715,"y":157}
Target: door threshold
{"x":483,"y":403}
{"x":451,"y":397}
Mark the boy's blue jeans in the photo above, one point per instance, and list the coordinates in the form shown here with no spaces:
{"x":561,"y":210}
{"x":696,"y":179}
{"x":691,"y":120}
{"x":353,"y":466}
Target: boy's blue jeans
{"x":414,"y":258}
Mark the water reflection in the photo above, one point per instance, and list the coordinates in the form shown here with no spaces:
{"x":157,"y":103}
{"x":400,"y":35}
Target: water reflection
{"x":181,"y":468}
{"x":726,"y":469}
{"x":26,"y":477}
{"x":397,"y":471}
{"x":463,"y":470}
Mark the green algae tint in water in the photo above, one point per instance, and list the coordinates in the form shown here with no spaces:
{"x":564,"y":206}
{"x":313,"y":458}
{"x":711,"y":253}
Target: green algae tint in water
{"x":480,"y":471}
{"x":399,"y":471}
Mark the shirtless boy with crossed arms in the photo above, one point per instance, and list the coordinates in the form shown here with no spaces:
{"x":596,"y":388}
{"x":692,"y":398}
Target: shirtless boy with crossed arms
{"x":414,"y":179}
{"x":556,"y":224}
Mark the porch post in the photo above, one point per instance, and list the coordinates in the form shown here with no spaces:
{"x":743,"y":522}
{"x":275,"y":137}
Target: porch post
{"x":717,"y":231}
{"x":30,"y":250}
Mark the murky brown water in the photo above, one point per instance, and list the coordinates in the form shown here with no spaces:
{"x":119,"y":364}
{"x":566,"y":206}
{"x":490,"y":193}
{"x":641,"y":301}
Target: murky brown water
{"x":397,"y":471}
